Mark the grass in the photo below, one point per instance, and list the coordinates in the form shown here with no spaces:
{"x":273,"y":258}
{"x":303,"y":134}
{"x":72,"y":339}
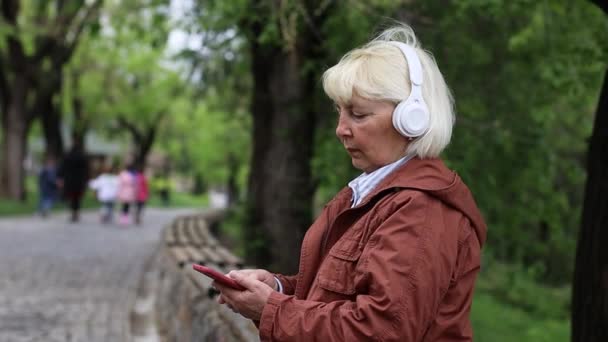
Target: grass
{"x":181,"y":200}
{"x":30,"y":205}
{"x":510,"y":305}
{"x":496,"y":321}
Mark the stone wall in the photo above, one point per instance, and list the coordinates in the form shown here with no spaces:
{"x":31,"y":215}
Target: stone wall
{"x":176,"y":303}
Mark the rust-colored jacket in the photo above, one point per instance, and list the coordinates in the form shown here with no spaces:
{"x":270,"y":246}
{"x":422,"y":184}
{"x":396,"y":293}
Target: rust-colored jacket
{"x":400,"y":266}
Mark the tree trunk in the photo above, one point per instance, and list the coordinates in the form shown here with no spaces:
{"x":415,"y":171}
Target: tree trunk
{"x":290,"y":183}
{"x":257,"y":248}
{"x":280,"y":183}
{"x":590,"y":285}
{"x":48,"y":107}
{"x":232,"y":190}
{"x":80,"y":124}
{"x":144,"y":146}
{"x":15,"y":126}
{"x":51,"y":127}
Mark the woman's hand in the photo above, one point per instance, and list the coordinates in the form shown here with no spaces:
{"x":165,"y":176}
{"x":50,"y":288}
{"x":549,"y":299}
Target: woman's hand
{"x":257,"y":274}
{"x":250,"y":302}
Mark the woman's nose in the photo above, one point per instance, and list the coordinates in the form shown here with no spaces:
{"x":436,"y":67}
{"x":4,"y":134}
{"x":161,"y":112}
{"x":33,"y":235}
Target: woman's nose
{"x":343,"y":128}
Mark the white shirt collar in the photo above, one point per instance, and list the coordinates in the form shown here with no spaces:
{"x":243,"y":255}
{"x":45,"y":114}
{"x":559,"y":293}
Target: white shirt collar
{"x":366,"y":182}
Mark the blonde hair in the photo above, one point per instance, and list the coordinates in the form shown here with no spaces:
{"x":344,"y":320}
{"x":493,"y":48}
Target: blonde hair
{"x":379,"y":71}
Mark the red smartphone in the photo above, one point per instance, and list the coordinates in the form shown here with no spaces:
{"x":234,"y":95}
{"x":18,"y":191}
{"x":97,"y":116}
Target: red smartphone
{"x":217,"y":276}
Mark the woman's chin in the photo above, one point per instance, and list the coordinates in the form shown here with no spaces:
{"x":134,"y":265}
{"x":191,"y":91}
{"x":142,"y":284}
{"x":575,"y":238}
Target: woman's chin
{"x":357,"y":164}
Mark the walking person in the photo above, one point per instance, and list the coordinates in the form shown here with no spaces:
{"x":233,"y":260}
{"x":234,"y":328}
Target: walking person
{"x":47,"y":186}
{"x":394,"y":256}
{"x":142,"y":193}
{"x":106,"y":188}
{"x":163,"y":184}
{"x":73,"y":176}
{"x":126,"y":193}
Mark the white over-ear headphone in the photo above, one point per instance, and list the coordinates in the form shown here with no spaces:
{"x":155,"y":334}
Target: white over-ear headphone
{"x":411,"y":117}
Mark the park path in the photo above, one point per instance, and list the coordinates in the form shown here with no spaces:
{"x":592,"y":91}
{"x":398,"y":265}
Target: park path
{"x":72,"y":282}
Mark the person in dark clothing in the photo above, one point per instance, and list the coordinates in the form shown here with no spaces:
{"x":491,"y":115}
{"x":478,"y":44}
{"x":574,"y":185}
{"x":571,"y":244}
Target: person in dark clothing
{"x":47,"y":185}
{"x":73,"y":176}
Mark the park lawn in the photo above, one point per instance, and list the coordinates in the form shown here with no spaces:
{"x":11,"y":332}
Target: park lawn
{"x":30,"y":205}
{"x":510,"y":304}
{"x":181,"y":200}
{"x":178,"y":200}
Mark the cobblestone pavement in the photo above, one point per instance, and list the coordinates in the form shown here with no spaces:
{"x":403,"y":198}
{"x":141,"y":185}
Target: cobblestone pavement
{"x":72,"y":282}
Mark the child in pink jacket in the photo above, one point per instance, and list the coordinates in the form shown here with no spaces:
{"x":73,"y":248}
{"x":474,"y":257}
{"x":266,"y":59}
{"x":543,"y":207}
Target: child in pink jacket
{"x":127,"y":187}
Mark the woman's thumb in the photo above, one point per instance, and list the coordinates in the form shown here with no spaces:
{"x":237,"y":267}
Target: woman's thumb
{"x":246,"y":282}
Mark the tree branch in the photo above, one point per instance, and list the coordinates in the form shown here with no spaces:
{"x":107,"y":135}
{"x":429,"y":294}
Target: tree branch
{"x":44,"y":46}
{"x":90,"y":14}
{"x":129,"y":126}
{"x":63,"y":43}
{"x":154,"y":124}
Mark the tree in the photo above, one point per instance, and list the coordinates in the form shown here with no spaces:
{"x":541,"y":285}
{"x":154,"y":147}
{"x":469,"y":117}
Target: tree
{"x":141,"y":96}
{"x":283,"y":111}
{"x":590,"y":285}
{"x":36,"y":40}
{"x":116,"y":82}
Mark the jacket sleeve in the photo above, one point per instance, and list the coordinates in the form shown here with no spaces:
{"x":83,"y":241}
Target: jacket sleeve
{"x":288,"y":282}
{"x":403,"y":272}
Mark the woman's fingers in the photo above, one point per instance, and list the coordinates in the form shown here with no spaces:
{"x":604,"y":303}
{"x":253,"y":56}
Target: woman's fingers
{"x":220,"y":299}
{"x":257,"y":274}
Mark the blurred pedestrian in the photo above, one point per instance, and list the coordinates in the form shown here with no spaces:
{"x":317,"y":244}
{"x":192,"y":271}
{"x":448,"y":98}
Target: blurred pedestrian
{"x":47,"y":186}
{"x":126,"y":192}
{"x":163,"y":185}
{"x":106,"y":187}
{"x":73,"y":176}
{"x":142,"y":193}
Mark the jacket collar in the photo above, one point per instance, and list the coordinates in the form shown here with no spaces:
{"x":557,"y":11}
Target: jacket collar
{"x":434,"y":178}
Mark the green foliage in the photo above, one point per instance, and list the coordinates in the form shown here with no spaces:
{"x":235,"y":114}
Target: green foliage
{"x":208,"y":141}
{"x":496,"y":321}
{"x":180,"y":199}
{"x":531,"y":104}
{"x":121,"y":77}
{"x":526,"y":76}
{"x":517,"y":286}
{"x":231,"y":230}
{"x":511,"y":305}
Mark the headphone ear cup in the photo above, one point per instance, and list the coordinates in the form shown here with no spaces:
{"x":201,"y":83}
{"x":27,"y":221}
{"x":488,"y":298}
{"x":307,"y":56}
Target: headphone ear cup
{"x":411,"y":118}
{"x":398,"y":118}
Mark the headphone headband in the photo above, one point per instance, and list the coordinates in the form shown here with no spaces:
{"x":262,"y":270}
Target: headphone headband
{"x":413,"y":62}
{"x":411,"y":117}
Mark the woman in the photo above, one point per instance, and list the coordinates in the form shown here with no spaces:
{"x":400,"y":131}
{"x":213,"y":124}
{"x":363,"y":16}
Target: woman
{"x":394,"y":256}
